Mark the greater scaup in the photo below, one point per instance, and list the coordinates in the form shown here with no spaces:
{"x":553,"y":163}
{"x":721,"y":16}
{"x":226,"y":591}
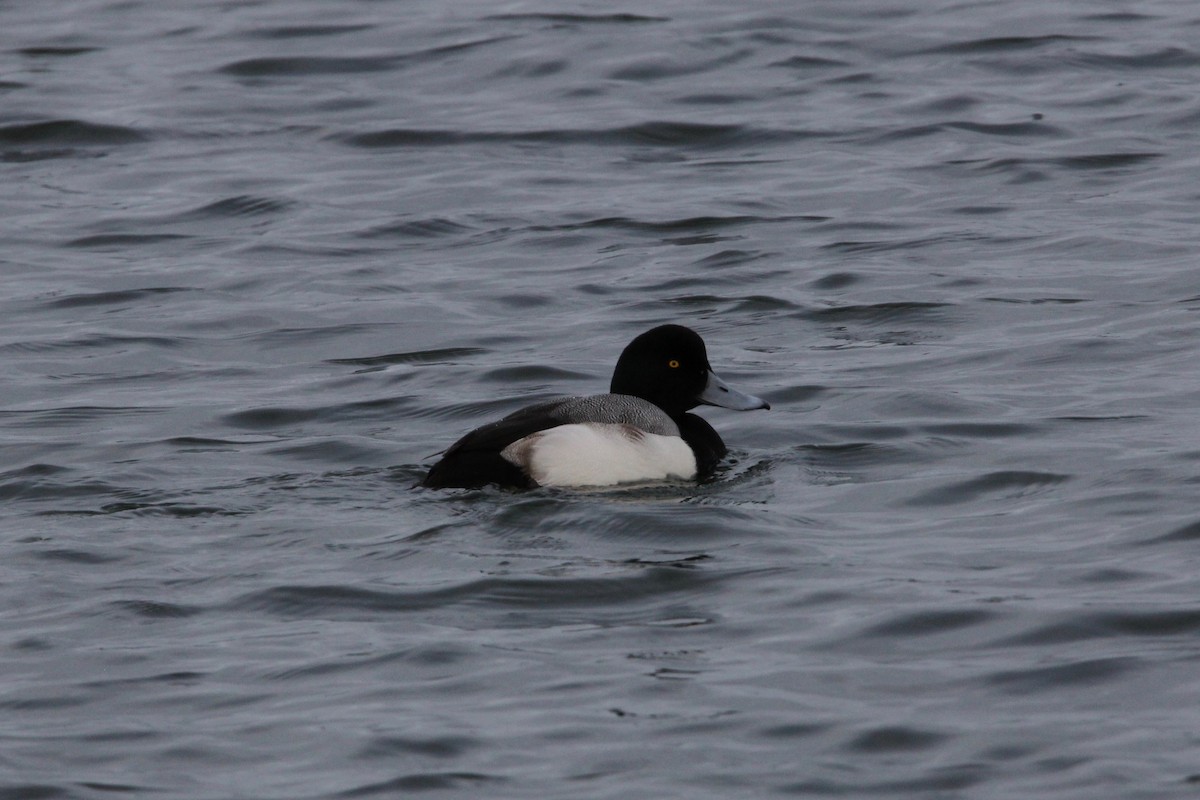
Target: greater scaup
{"x":640,"y":431}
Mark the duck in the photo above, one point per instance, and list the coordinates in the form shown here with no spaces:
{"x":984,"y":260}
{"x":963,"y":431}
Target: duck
{"x":640,"y":431}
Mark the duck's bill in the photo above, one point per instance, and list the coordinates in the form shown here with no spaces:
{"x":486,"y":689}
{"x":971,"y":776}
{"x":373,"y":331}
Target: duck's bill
{"x":719,"y":393}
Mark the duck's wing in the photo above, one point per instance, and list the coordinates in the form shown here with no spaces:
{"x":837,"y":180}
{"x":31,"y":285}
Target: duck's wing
{"x":475,"y":460}
{"x":616,"y":409}
{"x":496,"y":436}
{"x":612,"y":409}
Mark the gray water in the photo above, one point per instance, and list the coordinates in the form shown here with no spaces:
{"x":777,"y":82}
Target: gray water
{"x":262,"y":260}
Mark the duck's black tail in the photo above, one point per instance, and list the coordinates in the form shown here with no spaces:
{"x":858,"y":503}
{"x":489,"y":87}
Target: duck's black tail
{"x":472,"y":469}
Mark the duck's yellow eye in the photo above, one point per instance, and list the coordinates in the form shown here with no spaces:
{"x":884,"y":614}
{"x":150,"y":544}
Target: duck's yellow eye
{"x":673,"y":364}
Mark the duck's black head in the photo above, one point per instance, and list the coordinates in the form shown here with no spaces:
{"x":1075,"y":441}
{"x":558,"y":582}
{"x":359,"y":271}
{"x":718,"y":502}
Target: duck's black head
{"x":668,"y":366}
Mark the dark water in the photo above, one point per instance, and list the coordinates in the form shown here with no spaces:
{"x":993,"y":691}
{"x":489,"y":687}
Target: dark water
{"x":261,"y":260}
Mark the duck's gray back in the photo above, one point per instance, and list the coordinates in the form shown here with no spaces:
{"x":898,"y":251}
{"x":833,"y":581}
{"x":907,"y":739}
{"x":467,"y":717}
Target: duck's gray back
{"x":616,"y":409}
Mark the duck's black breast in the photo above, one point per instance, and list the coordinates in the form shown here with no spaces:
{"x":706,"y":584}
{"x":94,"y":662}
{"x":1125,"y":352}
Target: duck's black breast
{"x":705,"y":442}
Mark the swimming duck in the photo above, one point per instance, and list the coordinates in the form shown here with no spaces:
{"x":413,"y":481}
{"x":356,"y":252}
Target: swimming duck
{"x":640,"y":431}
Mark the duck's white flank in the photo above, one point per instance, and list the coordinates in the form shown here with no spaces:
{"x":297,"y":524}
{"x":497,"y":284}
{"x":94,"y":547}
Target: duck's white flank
{"x":596,"y":454}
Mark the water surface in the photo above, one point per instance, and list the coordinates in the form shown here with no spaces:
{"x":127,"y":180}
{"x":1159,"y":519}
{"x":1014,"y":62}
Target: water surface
{"x":262,"y":261}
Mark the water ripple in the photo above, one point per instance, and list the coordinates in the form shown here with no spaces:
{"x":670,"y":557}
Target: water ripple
{"x":1111,"y":624}
{"x":423,"y":782}
{"x":1014,"y":130}
{"x":80,"y":133}
{"x":1185,"y":533}
{"x":932,"y":622}
{"x":1163,"y":58}
{"x":1060,"y":677}
{"x":691,"y":135}
{"x":123,"y":241}
{"x":237,"y":206}
{"x":300,"y":66}
{"x":891,"y":739}
{"x":444,"y":355}
{"x":305,"y":31}
{"x":556,"y":596}
{"x":123,"y":297}
{"x":1007,"y":43}
{"x":1006,"y":484}
{"x":578,"y":19}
